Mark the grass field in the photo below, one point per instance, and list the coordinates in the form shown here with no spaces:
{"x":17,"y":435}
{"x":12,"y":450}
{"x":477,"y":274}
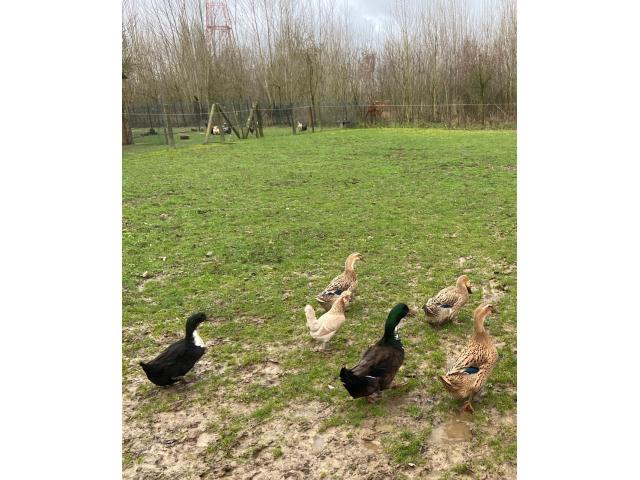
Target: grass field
{"x":250,"y":232}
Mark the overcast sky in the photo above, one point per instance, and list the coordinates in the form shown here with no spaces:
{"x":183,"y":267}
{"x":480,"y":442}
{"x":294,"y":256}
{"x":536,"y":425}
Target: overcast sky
{"x":372,"y":13}
{"x":375,"y":15}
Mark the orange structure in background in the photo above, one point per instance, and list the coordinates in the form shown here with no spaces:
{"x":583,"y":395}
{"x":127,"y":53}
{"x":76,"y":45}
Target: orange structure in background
{"x":375,"y":111}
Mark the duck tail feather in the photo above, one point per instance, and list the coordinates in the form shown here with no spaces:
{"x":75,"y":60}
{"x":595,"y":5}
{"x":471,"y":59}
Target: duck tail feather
{"x":358,"y":386}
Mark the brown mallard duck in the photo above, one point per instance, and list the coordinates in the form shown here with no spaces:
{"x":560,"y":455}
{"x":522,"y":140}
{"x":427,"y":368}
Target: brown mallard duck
{"x":347,"y":280}
{"x":379,"y":364}
{"x":470,"y":371}
{"x":446,"y":304}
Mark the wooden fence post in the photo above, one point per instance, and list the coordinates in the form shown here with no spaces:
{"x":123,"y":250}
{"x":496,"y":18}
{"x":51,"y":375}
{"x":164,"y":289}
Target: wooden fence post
{"x":249,"y":120}
{"x":206,"y":135}
{"x":226,"y":119}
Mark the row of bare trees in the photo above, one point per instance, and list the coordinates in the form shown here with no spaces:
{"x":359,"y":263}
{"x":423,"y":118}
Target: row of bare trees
{"x":451,"y":58}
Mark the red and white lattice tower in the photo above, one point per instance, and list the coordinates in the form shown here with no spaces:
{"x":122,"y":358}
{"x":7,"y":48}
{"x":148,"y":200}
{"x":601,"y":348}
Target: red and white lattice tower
{"x":218,"y":24}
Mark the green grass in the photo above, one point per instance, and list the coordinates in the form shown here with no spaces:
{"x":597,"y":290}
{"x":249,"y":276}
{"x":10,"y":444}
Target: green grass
{"x":406,"y":447}
{"x":250,"y":231}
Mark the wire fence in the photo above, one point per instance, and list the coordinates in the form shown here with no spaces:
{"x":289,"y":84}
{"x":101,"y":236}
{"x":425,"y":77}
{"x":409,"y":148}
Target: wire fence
{"x":157,"y":121}
{"x":195,"y":115}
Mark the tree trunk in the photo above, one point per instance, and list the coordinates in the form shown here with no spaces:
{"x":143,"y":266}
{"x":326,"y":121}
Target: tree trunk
{"x":433,"y":98}
{"x":482,"y":102}
{"x":259,"y":120}
{"x":311,"y":119}
{"x":127,"y":134}
{"x":149,"y":116}
{"x":168,"y":128}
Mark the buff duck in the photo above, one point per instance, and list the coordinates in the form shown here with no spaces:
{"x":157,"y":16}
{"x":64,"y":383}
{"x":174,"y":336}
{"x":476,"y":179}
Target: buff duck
{"x":446,"y":304}
{"x":347,"y":280}
{"x":325,"y":327}
{"x":379,"y":363}
{"x":473,"y":366}
{"x":178,"y":358}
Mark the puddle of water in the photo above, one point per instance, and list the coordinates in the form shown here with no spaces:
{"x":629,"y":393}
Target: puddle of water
{"x":372,"y":445}
{"x":454,"y":430}
{"x":319,"y":442}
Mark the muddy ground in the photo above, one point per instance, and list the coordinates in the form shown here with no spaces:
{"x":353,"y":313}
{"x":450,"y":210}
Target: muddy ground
{"x":175,"y":432}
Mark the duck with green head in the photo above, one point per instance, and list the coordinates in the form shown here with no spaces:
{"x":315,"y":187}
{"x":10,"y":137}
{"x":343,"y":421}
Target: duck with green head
{"x":379,"y":364}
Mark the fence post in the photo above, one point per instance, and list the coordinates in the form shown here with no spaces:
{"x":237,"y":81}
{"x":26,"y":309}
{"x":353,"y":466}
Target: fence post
{"x":226,"y":119}
{"x":206,"y":135}
{"x":250,"y":121}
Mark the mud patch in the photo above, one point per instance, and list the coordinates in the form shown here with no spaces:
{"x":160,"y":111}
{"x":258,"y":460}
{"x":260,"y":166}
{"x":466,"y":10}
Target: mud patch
{"x":493,"y":292}
{"x":373,"y":446}
{"x":307,"y":452}
{"x":146,"y":278}
{"x":251,"y":319}
{"x":171,"y":445}
{"x":456,"y":429}
{"x":266,"y":374}
{"x":319,"y":442}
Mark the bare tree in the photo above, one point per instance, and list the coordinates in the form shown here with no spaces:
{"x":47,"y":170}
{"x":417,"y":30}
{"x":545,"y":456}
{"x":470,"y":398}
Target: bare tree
{"x":452,"y":60}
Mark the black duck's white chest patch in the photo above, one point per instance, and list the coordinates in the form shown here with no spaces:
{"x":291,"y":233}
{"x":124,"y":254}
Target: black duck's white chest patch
{"x":197,"y":340}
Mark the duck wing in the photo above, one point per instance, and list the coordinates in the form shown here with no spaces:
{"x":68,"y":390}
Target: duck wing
{"x":445,"y":298}
{"x":170,"y":354}
{"x":472,"y":359}
{"x":324,"y":328}
{"x":467,"y":374}
{"x":369,"y":362}
{"x":338,"y":285}
{"x":381,"y":362}
{"x":365,"y":378}
{"x":177,"y":359}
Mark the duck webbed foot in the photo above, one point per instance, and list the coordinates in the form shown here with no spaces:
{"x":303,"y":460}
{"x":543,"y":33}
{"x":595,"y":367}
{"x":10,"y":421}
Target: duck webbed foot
{"x":398,"y":385}
{"x":467,"y":405}
{"x":322,"y":348}
{"x":374,"y":397}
